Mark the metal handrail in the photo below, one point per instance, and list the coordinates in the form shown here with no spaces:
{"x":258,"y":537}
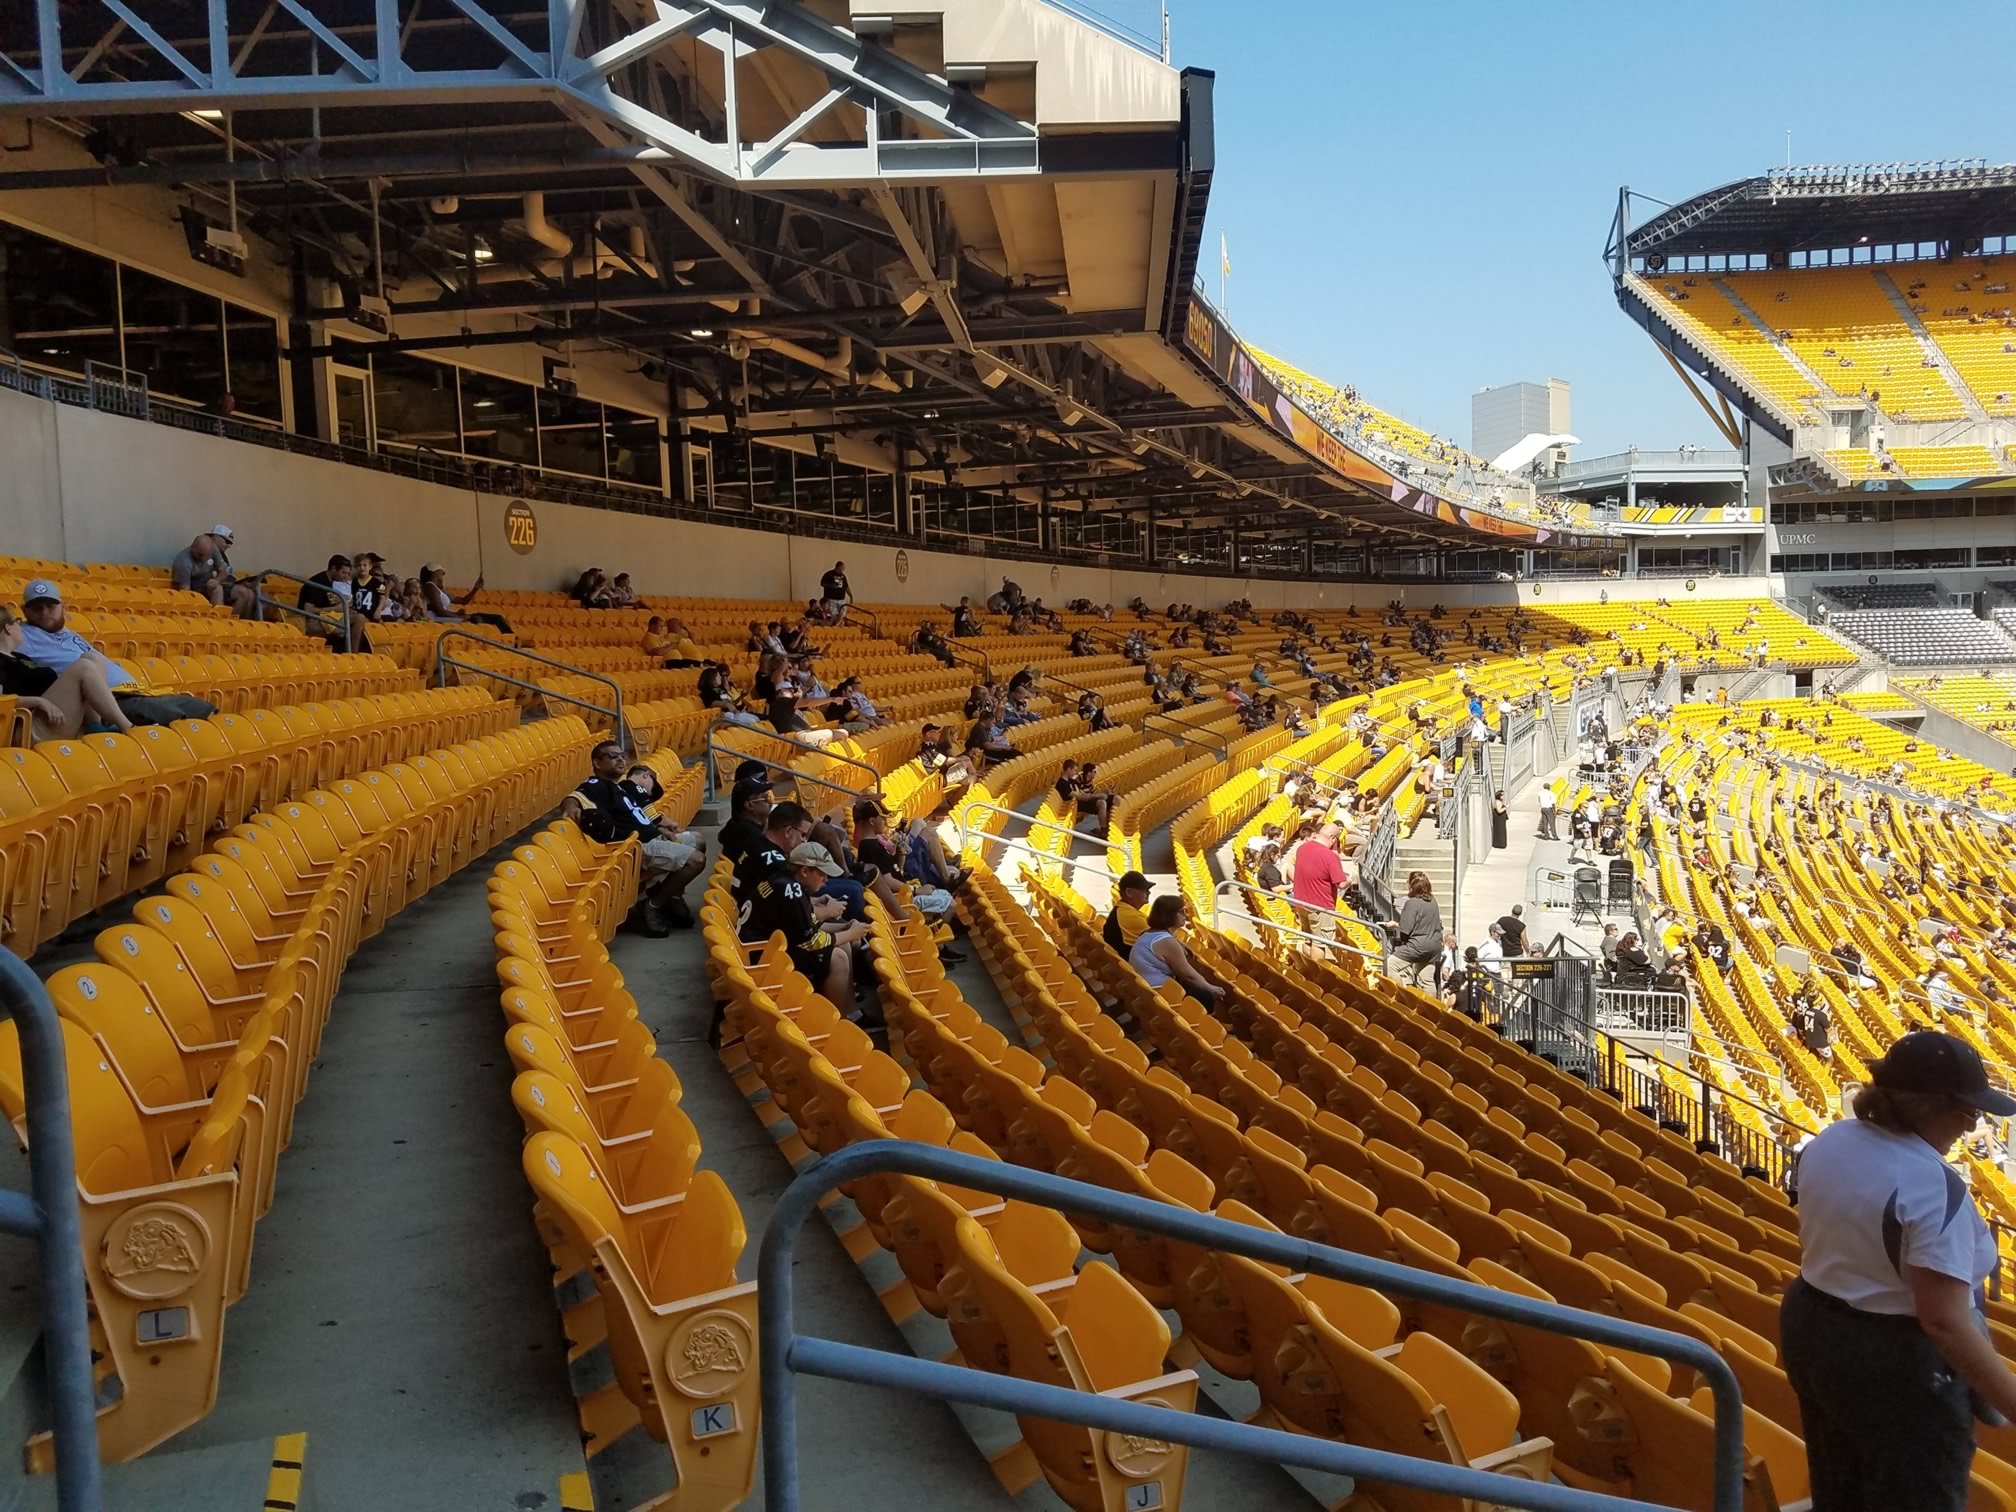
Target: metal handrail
{"x":964,"y":832}
{"x":445,"y":661}
{"x":317,"y":617}
{"x":967,"y":656}
{"x":784,"y":1352}
{"x":1195,"y":733}
{"x":712,"y":748}
{"x":850,"y":609}
{"x":1220,"y":911}
{"x":49,"y":1217}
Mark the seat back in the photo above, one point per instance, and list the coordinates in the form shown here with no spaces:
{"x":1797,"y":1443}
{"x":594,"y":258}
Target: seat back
{"x":110,"y":1006}
{"x":113,"y":1152}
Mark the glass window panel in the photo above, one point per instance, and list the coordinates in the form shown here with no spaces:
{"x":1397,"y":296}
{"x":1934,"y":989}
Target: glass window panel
{"x":415,"y":401}
{"x":497,"y":419}
{"x":633,"y":449}
{"x":59,"y":307}
{"x":254,"y":350}
{"x":175,"y":336}
{"x":570,"y":434}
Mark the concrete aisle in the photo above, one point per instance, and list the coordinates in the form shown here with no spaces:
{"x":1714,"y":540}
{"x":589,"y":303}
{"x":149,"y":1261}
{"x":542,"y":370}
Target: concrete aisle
{"x":1497,"y":879}
{"x":400,"y":1310}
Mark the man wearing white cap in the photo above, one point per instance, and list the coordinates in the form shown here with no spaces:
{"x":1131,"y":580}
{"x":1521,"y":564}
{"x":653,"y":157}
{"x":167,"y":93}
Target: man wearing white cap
{"x":47,"y":642}
{"x":204,"y":566}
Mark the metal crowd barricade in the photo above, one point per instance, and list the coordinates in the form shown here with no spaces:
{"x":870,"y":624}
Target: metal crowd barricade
{"x":48,"y":1215}
{"x":614,"y":708}
{"x":785,"y":1353}
{"x":1636,"y":1010}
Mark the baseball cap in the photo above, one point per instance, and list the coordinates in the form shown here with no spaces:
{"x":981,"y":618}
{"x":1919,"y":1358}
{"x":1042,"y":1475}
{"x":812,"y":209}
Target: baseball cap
{"x":1928,"y":1061}
{"x":751,"y":788}
{"x":752,"y":771}
{"x":41,"y":588}
{"x":224,"y":532}
{"x":811,"y":853}
{"x":1133,"y":879}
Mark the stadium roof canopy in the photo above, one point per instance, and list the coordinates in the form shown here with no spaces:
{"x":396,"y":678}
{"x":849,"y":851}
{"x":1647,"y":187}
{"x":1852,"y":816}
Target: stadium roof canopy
{"x":957,"y":241}
{"x":1787,"y":210}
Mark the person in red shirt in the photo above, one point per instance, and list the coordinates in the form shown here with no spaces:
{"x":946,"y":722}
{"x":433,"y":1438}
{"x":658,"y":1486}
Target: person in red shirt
{"x":1319,"y":878}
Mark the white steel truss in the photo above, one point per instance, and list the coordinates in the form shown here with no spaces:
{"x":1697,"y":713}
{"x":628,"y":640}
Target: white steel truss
{"x":916,"y":126}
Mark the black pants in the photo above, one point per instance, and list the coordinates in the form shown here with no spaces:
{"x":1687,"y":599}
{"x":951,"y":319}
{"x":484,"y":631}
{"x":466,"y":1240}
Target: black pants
{"x":162,"y":708}
{"x":1888,"y":1424}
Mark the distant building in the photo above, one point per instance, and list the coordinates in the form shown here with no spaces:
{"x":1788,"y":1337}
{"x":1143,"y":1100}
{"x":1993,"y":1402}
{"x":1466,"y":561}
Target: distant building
{"x":1502,"y":417}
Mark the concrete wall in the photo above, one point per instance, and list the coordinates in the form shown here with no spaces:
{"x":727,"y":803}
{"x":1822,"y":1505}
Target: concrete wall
{"x":84,"y":486}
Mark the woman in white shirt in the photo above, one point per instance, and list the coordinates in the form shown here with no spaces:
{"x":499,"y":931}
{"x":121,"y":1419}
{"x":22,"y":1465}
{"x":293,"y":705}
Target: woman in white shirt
{"x":1882,"y":1335}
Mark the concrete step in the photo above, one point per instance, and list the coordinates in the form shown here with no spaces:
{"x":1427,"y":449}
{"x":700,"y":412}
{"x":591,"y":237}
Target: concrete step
{"x":246,"y":1476}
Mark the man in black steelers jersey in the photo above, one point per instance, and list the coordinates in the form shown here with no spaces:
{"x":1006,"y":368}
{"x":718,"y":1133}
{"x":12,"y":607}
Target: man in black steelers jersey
{"x":772,"y":899}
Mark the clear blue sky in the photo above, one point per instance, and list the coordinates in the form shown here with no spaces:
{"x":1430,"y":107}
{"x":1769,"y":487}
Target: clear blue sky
{"x":1416,"y":195}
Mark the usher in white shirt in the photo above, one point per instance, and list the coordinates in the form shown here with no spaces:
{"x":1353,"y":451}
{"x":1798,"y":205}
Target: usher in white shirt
{"x":1872,"y":1202}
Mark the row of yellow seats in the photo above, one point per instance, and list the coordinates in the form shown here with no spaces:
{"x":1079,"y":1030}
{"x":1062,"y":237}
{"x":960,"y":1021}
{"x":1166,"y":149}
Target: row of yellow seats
{"x":238,"y":682}
{"x":613,"y":1161}
{"x":188,"y":1043}
{"x":83,"y":822}
{"x":1090,"y":1120}
{"x":999,"y":1274}
{"x":1387,"y":1202}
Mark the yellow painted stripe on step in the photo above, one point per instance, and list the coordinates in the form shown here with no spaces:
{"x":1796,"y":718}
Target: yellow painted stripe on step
{"x":576,"y":1495}
{"x":283,"y":1481}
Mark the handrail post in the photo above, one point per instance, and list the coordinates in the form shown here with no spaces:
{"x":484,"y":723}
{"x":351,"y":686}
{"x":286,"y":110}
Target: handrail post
{"x":50,"y":1218}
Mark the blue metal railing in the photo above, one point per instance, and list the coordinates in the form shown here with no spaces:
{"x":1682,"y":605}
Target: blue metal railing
{"x":785,"y":1352}
{"x":49,"y":1217}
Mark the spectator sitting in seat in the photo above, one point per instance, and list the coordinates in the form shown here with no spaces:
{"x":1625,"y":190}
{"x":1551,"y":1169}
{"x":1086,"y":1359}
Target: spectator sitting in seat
{"x":887,"y":851}
{"x":610,"y":810}
{"x":964,"y":621}
{"x":1158,"y":953}
{"x":1092,"y":709}
{"x":785,"y":719}
{"x":658,"y":642}
{"x":748,"y":811}
{"x":60,"y":703}
{"x":330,"y":593}
{"x":928,"y":642}
{"x":1129,"y":915}
{"x":412,"y":602}
{"x":990,"y":739}
{"x":45,"y":642}
{"x":853,"y":709}
{"x":371,"y":591}
{"x":204,"y":566}
{"x":621,"y":595}
{"x":1634,"y":966}
{"x":439,"y":605}
{"x":1078,"y":796}
{"x":591,"y":590}
{"x":773,"y":900}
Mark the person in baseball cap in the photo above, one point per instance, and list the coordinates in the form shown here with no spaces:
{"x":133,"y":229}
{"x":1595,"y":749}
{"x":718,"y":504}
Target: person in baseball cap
{"x":1130,"y":911}
{"x":47,"y":641}
{"x":749,"y":807}
{"x":1881,"y":1337}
